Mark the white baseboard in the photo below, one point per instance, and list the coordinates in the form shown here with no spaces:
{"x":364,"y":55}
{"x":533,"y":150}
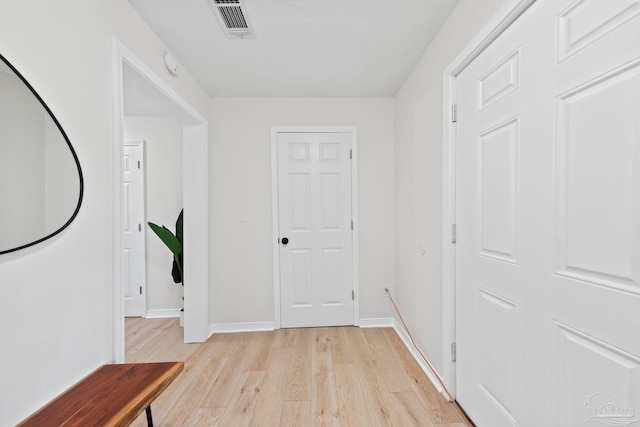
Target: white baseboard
{"x":425,"y":368}
{"x":226,"y":328}
{"x":378,"y":322}
{"x":163,"y":313}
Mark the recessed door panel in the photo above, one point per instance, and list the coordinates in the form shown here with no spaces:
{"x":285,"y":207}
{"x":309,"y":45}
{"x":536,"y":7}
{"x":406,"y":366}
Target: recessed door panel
{"x":330,"y":201}
{"x":299,"y":153}
{"x":301,"y":201}
{"x":597,"y":382}
{"x":498,"y":330}
{"x":503,"y":79}
{"x":586,"y":21}
{"x":301,"y":276}
{"x":332,"y":278}
{"x":498,"y":192}
{"x":599,"y":180}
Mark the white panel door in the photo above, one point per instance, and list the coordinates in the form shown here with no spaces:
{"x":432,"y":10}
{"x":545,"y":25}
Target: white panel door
{"x":133,"y":243}
{"x":548,"y":220}
{"x":314,"y":204}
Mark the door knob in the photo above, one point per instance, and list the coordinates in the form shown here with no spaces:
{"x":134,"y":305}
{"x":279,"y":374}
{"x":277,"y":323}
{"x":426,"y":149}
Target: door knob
{"x":284,"y":241}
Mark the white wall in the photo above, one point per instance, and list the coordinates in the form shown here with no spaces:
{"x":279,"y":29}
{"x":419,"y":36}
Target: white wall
{"x":240,"y":178}
{"x":418,"y":176}
{"x":56,"y":306}
{"x":163,"y":201}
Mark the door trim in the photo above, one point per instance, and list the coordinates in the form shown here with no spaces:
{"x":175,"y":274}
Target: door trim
{"x":195,"y":198}
{"x":275,"y":214}
{"x":509,"y":13}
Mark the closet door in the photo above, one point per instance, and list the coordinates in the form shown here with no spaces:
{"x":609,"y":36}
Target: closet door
{"x":548,"y":219}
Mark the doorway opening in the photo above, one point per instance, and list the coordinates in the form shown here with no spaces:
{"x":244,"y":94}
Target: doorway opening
{"x":137,"y":90}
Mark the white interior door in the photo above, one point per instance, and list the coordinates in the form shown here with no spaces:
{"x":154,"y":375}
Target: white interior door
{"x":133,"y":231}
{"x":315,"y":225}
{"x":548,"y":220}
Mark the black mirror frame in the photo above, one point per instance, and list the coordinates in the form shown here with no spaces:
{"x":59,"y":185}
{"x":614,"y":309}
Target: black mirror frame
{"x":73,"y":153}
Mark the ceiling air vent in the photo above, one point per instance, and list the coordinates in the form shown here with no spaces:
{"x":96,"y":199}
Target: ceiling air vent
{"x":234,"y":21}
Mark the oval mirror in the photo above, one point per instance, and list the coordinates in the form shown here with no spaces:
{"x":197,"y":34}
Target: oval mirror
{"x":41,"y":184}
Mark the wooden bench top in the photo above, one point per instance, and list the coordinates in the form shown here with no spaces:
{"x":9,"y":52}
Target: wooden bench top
{"x":112,"y":395}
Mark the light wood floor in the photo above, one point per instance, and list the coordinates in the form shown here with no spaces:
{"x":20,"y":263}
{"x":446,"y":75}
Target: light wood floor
{"x":343,"y":376}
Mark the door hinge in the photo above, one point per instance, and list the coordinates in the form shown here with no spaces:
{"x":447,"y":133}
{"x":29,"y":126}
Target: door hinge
{"x":454,"y":113}
{"x":350,"y":153}
{"x":453,"y":352}
{"x":140,"y":290}
{"x":353,"y":295}
{"x":351,"y":225}
{"x":138,"y":164}
{"x":140,"y":227}
{"x":453,"y":233}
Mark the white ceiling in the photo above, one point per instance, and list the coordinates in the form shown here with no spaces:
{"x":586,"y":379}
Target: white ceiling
{"x":302,"y":48}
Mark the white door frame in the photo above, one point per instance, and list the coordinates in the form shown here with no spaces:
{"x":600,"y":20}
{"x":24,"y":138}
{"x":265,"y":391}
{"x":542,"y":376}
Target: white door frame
{"x":195,"y":200}
{"x":275,"y":210}
{"x":501,"y":21}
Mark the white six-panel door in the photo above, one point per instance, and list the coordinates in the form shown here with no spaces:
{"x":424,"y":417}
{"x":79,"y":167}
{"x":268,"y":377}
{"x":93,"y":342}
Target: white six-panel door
{"x":314,"y":205}
{"x":133,"y":227}
{"x":548,"y":220}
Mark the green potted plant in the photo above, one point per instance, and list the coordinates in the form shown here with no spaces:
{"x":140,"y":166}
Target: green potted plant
{"x":174,"y":243}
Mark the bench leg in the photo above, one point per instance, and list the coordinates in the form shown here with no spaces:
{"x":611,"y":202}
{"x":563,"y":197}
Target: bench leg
{"x":149,"y":419}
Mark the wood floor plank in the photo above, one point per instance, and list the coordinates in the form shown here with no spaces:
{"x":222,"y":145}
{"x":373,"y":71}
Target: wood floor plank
{"x":240,"y":410}
{"x":350,"y":395}
{"x":261,"y":350}
{"x":341,"y":352}
{"x":299,"y":376}
{"x":208,"y":417}
{"x":268,"y":408}
{"x":378,"y":399}
{"x":395,"y":378}
{"x":359,"y":348}
{"x":440,"y":411}
{"x":324,"y":399}
{"x":285,"y":337}
{"x":411,"y":410}
{"x":137,"y":329}
{"x":183,"y":411}
{"x":296,"y":413}
{"x":223,"y":345}
{"x":156,"y":350}
{"x":142,"y":342}
{"x":452,"y":425}
{"x":222,"y":387}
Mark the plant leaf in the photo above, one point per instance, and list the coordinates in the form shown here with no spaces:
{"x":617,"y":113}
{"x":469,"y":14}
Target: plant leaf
{"x":168,"y":238}
{"x":179,"y":227}
{"x":176,"y":270}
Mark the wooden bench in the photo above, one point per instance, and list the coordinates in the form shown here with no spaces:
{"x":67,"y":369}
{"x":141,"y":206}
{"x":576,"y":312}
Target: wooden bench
{"x":112,"y":395}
